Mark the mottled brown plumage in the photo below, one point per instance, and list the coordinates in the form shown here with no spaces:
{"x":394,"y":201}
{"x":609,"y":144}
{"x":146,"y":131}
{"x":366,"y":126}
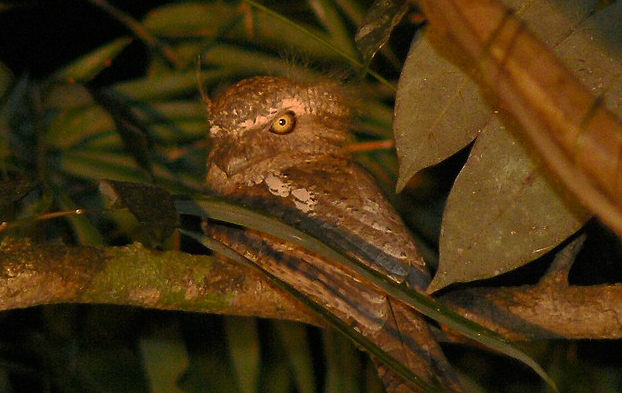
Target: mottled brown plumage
{"x":277,"y":145}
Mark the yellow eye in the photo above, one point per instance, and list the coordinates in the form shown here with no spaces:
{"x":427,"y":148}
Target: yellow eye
{"x":284,"y":124}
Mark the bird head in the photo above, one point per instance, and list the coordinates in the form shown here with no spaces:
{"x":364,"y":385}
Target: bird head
{"x":275,"y":122}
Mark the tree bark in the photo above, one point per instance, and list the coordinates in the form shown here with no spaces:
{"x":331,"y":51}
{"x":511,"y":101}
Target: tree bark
{"x":34,"y":274}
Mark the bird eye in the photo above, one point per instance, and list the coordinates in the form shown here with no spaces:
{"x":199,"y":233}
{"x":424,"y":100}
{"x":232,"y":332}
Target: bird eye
{"x":284,"y":124}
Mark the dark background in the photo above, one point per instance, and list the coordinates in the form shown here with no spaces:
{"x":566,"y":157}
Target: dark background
{"x":38,"y":37}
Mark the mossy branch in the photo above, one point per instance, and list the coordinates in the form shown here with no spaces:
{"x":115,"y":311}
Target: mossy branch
{"x":33,"y":274}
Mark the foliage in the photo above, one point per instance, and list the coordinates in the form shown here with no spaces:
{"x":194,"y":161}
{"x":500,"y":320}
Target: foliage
{"x":62,"y":133}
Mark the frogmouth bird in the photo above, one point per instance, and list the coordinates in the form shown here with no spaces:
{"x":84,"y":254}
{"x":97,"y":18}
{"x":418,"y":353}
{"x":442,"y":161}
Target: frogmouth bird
{"x":278,"y":146}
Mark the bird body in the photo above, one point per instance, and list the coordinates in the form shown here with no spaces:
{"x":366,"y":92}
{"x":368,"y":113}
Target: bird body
{"x":277,"y":146}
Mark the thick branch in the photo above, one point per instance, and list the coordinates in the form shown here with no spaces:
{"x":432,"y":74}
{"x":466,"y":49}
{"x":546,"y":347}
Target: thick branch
{"x":535,"y":312}
{"x":33,"y":274}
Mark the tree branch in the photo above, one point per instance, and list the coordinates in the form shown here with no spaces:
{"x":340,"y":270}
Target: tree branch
{"x":33,"y":274}
{"x":535,"y":312}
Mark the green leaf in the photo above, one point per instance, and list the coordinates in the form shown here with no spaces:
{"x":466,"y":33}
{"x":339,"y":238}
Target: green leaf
{"x":598,"y":66}
{"x":296,"y":345}
{"x":244,"y":340}
{"x":67,"y":96}
{"x":167,"y":86}
{"x":515,"y":214}
{"x":439,"y":109}
{"x":170,"y":122}
{"x":97,"y":164}
{"x":502,"y":212}
{"x":310,"y":36}
{"x":226,"y":211}
{"x":72,"y":128}
{"x":87,"y":67}
{"x":152,"y":206}
{"x":244,"y":61}
{"x":241,"y":24}
{"x":378,"y":25}
{"x":140,"y":32}
{"x":184,"y":20}
{"x":343,"y":365}
{"x":329,"y":16}
{"x":134,"y":133}
{"x":208,"y":372}
{"x":276,"y":376}
{"x":174,"y":110}
{"x":164,"y":361}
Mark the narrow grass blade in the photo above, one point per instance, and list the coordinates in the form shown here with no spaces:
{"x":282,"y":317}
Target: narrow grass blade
{"x":218,"y":209}
{"x":323,"y":313}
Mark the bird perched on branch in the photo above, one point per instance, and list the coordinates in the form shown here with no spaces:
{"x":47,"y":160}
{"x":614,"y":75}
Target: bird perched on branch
{"x":277,"y":145}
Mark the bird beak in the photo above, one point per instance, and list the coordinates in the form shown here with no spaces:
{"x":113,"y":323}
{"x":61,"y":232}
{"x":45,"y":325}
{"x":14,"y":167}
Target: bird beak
{"x":233,"y":159}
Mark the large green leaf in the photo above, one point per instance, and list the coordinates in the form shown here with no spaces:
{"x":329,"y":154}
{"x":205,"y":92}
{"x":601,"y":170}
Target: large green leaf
{"x":439,"y":108}
{"x":517,"y":214}
{"x":501,"y":213}
{"x":507,"y":225}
